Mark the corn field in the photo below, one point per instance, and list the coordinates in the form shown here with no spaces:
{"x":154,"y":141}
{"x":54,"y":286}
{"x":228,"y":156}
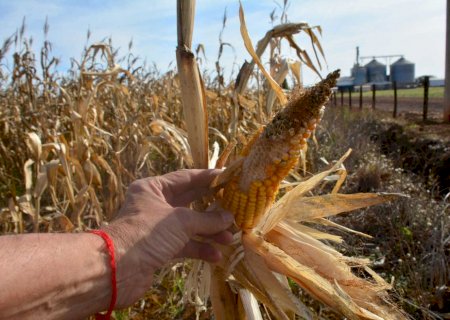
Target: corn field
{"x":71,"y":144}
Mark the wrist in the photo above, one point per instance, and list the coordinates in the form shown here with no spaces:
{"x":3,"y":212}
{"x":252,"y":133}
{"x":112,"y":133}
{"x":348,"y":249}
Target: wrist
{"x":53,"y":276}
{"x":134,"y":273}
{"x":101,"y":272}
{"x":109,"y":248}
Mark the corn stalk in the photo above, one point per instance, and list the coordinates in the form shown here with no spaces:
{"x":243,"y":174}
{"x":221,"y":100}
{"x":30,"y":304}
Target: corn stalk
{"x":196,"y":117}
{"x":192,"y":88}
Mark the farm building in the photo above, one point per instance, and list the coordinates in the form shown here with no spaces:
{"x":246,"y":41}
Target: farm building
{"x":375,"y":73}
{"x":359,"y":74}
{"x":345,"y":84}
{"x":402,"y":71}
{"x":434,"y":82}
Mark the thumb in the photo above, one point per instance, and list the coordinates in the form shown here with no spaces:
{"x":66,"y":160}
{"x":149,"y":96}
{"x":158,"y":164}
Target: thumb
{"x":207,"y":223}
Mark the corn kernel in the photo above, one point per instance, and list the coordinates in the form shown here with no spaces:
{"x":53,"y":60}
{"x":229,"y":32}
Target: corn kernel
{"x":247,"y":197}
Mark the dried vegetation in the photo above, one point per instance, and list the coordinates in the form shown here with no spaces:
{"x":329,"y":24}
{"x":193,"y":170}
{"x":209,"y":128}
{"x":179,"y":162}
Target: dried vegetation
{"x":70,"y":144}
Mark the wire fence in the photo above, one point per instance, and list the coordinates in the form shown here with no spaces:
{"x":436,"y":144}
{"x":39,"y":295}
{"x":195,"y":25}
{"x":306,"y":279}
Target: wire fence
{"x":372,"y":97}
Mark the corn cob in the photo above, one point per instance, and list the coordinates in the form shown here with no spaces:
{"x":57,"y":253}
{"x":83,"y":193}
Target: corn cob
{"x":273,"y":152}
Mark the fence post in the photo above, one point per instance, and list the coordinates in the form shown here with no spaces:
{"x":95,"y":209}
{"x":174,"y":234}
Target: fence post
{"x":342,"y":98}
{"x":374,"y":89}
{"x":350,"y":97}
{"x":360,"y":97}
{"x":446,"y":114}
{"x":335,"y":98}
{"x":426,"y":85}
{"x":395,"y":99}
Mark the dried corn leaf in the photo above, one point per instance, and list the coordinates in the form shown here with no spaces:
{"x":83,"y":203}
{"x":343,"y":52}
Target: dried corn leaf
{"x":41,"y":182}
{"x":28,"y":175}
{"x":245,"y":275}
{"x":15,"y":215}
{"x":282,"y":30}
{"x":327,"y":222}
{"x":67,"y":172}
{"x":310,"y":208}
{"x":326,"y":263}
{"x":81,"y":201}
{"x":295,"y":68}
{"x":217,"y":133}
{"x":101,"y":162}
{"x":278,"y":261}
{"x":227,"y":174}
{"x":225,"y":154}
{"x":26,"y":206}
{"x":285,"y":228}
{"x":279,"y":296}
{"x":79,"y":177}
{"x":316,"y":234}
{"x":97,"y":206}
{"x":315,"y":41}
{"x":246,"y":103}
{"x":250,"y":305}
{"x":215,"y":156}
{"x":52,"y":169}
{"x":61,"y":223}
{"x":302,"y":54}
{"x":279,"y":78}
{"x":248,"y":45}
{"x":92,"y":174}
{"x":223,"y":300}
{"x":35,"y":145}
{"x":342,"y":176}
{"x":175,"y":138}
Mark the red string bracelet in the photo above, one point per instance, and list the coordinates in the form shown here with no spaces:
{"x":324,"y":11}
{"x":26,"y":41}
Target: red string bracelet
{"x":112,"y":262}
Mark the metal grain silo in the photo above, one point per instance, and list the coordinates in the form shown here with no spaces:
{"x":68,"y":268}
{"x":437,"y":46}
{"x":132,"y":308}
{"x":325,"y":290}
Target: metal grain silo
{"x":376,"y":71}
{"x":359,"y":73}
{"x":402,"y":71}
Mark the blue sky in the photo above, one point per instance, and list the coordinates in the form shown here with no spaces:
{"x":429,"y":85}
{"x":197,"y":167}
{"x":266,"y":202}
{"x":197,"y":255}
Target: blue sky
{"x":414,"y":28}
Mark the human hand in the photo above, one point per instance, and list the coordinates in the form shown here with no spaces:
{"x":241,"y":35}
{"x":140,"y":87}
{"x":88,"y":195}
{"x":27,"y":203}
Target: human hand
{"x":154,"y":226}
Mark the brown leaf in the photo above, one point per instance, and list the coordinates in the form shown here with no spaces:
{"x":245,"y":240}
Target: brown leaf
{"x":35,"y":145}
{"x":28,"y":174}
{"x":295,"y":68}
{"x":248,"y":45}
{"x":41,"y":182}
{"x":223,"y":300}
{"x":61,"y":223}
{"x":310,"y":208}
{"x":279,"y":296}
{"x":91,"y":172}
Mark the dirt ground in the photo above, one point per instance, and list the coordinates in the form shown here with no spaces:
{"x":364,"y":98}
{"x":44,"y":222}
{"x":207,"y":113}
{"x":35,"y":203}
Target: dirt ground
{"x":422,"y":147}
{"x":410,"y":114}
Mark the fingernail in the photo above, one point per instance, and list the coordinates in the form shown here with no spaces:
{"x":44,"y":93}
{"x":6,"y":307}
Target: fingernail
{"x":227,"y":217}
